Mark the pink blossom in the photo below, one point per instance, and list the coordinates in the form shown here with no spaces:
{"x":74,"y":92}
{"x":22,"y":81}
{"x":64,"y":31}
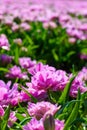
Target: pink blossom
{"x":26,"y":62}
{"x":39,"y":109}
{"x":79,"y":83}
{"x":40,"y":67}
{"x":15,"y":72}
{"x":1,"y":111}
{"x":25,"y":26}
{"x":12,"y":119}
{"x":4,"y":44}
{"x":46,"y":79}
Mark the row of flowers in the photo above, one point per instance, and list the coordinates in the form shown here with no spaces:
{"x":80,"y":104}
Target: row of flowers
{"x":18,"y":15}
{"x":38,"y":80}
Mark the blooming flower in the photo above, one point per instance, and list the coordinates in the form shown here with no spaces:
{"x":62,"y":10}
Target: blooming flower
{"x":15,"y":72}
{"x":46,"y":79}
{"x":4,"y":89}
{"x":39,"y":109}
{"x":12,"y":119}
{"x":79,"y":83}
{"x":39,"y":67}
{"x":7,"y":95}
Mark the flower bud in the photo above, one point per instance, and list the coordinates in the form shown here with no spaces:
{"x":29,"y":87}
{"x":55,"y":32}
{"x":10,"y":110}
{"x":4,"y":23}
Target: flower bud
{"x":5,"y":59}
{"x":49,"y":122}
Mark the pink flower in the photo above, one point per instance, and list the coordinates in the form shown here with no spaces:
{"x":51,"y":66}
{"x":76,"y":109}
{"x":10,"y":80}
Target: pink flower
{"x":72,"y":40}
{"x":4,"y":44}
{"x":33,"y":125}
{"x":25,"y":26}
{"x":39,"y":67}
{"x":26,"y":62}
{"x":46,"y":79}
{"x":12,"y":119}
{"x":79,"y":83}
{"x":18,"y":41}
{"x":1,"y":111}
{"x":15,"y":72}
{"x":4,"y":89}
{"x":39,"y":109}
{"x":40,"y":94}
{"x":7,"y":95}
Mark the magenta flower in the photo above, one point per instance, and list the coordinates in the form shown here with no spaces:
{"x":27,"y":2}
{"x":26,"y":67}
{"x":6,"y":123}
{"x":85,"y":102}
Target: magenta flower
{"x":4,"y":44}
{"x":4,"y":89}
{"x":14,"y":96}
{"x":15,"y":72}
{"x":46,"y":79}
{"x":39,"y":67}
{"x":40,"y":94}
{"x":7,"y":95}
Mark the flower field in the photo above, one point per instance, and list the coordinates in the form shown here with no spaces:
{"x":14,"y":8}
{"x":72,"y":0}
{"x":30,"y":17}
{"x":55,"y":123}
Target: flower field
{"x":43,"y":65}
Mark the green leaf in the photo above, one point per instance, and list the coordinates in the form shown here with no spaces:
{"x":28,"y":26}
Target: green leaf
{"x":19,"y":116}
{"x":65,"y":106}
{"x":73,"y":114}
{"x":70,"y":54}
{"x":25,"y":120}
{"x":65,"y":94}
{"x":16,"y":54}
{"x":4,"y":69}
{"x":3,"y":124}
{"x":55,"y":55}
{"x":23,"y":110}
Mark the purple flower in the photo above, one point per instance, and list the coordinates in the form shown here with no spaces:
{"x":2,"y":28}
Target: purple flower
{"x":15,"y":72}
{"x":5,"y":59}
{"x":4,"y":44}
